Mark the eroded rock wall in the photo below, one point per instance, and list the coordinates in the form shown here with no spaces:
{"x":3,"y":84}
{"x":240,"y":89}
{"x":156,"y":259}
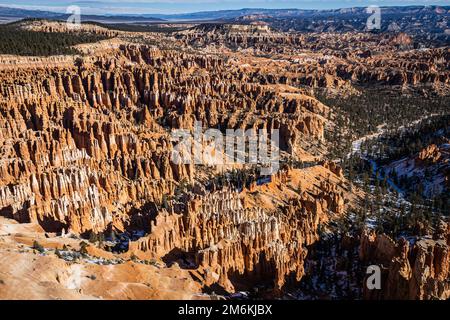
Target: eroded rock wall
{"x":419,"y":271}
{"x":86,"y":145}
{"x":228,"y":239}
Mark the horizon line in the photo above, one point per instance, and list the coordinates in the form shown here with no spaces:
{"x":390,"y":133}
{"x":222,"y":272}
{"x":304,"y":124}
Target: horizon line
{"x":107,"y":14}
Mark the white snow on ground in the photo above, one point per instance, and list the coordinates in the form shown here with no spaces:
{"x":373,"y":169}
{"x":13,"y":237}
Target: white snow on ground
{"x":74,"y":281}
{"x":406,"y":166}
{"x":356,"y":145}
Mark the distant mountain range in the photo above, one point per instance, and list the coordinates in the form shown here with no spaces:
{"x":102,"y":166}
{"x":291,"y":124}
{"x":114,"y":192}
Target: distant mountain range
{"x":293,"y":13}
{"x":12,"y":14}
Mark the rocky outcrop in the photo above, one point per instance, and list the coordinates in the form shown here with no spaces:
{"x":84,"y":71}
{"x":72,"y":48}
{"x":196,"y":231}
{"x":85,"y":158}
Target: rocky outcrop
{"x":228,"y":240}
{"x":84,"y":145}
{"x":430,"y":155}
{"x":332,"y":60}
{"x":57,"y":26}
{"x":57,"y":270}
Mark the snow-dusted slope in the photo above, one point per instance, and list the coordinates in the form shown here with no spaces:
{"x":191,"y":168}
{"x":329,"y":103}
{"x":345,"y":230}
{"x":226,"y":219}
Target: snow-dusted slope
{"x":430,"y":168}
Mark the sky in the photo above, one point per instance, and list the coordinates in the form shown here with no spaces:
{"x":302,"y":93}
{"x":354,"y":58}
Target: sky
{"x":112,"y":7}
